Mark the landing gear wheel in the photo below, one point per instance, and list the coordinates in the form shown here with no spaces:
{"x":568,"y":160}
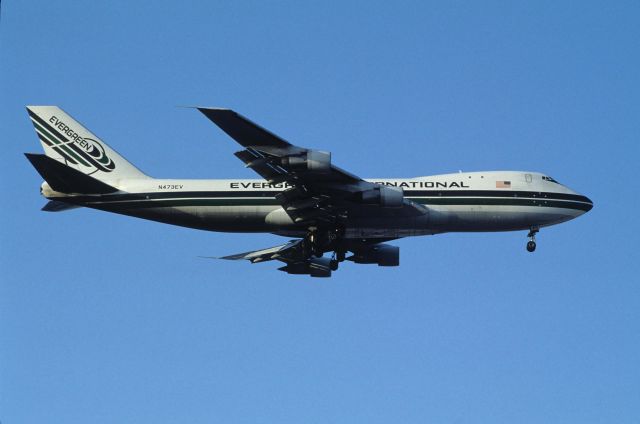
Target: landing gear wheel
{"x":531,"y":245}
{"x":337,"y":257}
{"x":321,"y":240}
{"x":312,"y":243}
{"x":333,"y":265}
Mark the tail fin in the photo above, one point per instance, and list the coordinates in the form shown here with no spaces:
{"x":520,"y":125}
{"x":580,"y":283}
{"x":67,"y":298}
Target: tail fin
{"x":65,"y":140}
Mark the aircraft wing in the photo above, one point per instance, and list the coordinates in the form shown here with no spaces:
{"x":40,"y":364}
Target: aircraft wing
{"x":293,"y":254}
{"x":286,"y":252}
{"x":319,"y":192}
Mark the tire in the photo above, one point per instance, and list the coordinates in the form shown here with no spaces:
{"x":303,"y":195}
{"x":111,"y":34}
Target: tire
{"x":333,"y":265}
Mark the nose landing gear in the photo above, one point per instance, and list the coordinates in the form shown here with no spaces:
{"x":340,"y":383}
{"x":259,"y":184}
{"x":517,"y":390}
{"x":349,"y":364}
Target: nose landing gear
{"x":531,"y":244}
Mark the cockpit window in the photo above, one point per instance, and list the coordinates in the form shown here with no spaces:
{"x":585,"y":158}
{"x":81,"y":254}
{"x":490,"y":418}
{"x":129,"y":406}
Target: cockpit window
{"x":549,"y":179}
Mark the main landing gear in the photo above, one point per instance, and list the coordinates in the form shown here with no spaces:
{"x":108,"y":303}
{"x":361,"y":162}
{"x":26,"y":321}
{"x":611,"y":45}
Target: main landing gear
{"x":338,"y":256}
{"x":323,"y":240}
{"x":531,"y":244}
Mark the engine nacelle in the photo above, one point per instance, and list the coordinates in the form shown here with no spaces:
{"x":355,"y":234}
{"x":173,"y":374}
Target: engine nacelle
{"x":312,"y":160}
{"x":381,"y":254}
{"x":278,"y":218}
{"x":385,"y":196}
{"x":315,"y":267}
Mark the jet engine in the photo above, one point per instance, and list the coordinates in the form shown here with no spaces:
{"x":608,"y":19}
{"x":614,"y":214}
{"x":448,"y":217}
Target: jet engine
{"x":381,"y":254}
{"x":385,"y":196}
{"x":311,"y":160}
{"x":315,"y":267}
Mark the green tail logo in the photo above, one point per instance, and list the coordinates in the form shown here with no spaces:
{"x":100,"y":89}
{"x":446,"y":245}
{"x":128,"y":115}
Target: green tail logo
{"x":75,"y":149}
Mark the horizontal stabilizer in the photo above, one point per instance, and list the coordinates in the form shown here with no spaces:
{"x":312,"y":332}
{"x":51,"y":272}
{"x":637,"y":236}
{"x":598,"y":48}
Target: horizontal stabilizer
{"x":65,"y":179}
{"x":56,"y":206}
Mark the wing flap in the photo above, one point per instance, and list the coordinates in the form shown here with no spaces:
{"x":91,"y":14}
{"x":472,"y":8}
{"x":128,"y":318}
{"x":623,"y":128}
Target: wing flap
{"x":265,"y":166}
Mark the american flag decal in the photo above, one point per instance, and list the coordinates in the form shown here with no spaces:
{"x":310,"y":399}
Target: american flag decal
{"x":503,"y":184}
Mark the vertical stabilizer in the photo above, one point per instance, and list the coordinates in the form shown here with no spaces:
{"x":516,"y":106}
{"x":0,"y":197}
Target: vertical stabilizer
{"x":67,"y":141}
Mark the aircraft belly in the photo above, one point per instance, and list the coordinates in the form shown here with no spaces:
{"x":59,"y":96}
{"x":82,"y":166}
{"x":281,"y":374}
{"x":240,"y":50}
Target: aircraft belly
{"x":235,"y":218}
{"x":453,"y":218}
{"x":211,"y":218}
{"x":271,"y":218}
{"x":388,"y":227}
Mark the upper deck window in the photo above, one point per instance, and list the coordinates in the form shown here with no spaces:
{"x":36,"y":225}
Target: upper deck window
{"x":549,"y":179}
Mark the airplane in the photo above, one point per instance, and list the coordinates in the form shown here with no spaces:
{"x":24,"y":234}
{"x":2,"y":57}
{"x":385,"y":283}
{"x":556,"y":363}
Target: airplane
{"x":301,"y":195}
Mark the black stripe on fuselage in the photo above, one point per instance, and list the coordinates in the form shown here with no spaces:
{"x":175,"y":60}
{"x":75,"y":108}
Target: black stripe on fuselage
{"x":496,"y":193}
{"x":493,"y":201}
{"x":266,"y":198}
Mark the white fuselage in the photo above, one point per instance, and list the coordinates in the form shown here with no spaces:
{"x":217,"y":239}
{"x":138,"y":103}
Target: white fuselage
{"x":465,"y":201}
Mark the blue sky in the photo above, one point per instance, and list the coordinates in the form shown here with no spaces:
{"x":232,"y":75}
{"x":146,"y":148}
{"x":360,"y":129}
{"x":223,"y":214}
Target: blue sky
{"x":105,"y":318}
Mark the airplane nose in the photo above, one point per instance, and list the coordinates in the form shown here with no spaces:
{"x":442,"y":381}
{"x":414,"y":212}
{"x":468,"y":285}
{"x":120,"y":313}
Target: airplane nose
{"x":588,"y":204}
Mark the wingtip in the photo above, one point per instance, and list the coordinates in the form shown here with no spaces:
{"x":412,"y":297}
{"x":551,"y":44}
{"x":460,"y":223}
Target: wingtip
{"x":211,"y":112}
{"x":222,"y":258}
{"x":204,"y":109}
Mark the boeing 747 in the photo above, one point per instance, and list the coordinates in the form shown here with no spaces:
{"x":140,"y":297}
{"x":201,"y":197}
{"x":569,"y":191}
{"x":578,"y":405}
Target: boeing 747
{"x":301,"y":195}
